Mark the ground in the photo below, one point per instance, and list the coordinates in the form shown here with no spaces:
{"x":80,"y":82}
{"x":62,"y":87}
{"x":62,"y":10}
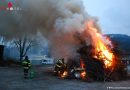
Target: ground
{"x":11,"y":78}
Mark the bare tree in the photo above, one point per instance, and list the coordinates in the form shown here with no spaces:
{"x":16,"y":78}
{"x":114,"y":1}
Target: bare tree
{"x":23,"y":45}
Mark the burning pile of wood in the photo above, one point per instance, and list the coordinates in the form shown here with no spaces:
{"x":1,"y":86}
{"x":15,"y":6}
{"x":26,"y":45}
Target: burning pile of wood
{"x":98,"y":60}
{"x":96,"y":68}
{"x":91,"y":68}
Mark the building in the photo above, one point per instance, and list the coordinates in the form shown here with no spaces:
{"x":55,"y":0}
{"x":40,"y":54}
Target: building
{"x":1,"y":54}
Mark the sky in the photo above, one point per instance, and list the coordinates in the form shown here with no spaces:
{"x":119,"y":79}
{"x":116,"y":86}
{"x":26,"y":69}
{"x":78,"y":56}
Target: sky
{"x":113,"y":15}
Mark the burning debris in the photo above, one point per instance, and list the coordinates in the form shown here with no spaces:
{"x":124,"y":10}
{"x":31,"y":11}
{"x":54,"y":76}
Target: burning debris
{"x":70,"y":32}
{"x":103,"y":56}
{"x":97,"y":60}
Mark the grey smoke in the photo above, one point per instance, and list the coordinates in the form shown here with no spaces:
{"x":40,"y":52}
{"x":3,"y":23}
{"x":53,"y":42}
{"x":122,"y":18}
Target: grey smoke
{"x":56,"y":20}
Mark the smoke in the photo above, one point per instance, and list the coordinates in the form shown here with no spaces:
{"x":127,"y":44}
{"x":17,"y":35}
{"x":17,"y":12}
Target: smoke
{"x":58,"y":21}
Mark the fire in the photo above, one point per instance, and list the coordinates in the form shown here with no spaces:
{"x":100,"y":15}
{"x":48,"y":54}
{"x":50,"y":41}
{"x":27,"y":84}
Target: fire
{"x":82,"y":65}
{"x":83,"y":75}
{"x":101,"y":49}
{"x":65,"y":73}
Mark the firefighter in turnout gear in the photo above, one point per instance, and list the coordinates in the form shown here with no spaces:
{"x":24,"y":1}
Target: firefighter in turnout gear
{"x":60,"y":65}
{"x":26,"y":65}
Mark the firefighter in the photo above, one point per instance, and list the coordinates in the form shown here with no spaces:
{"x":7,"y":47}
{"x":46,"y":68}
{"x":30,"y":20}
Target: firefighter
{"x":26,"y":65}
{"x":60,"y":65}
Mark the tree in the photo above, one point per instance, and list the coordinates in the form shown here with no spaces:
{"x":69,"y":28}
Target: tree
{"x":23,"y":45}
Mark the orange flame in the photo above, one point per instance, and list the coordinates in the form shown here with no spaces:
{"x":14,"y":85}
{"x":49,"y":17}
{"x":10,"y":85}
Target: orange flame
{"x":83,"y":73}
{"x":65,"y":73}
{"x":101,"y":51}
{"x":82,"y":65}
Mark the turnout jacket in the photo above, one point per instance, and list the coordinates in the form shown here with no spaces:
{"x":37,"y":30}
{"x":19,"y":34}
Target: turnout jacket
{"x":26,"y":64}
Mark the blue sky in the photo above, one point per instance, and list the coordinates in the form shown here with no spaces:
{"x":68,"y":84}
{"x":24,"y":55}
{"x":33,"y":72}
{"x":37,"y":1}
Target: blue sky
{"x":113,"y":15}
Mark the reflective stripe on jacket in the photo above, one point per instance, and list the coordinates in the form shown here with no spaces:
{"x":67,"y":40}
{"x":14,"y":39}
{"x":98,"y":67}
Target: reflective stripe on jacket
{"x":26,"y":67}
{"x":26,"y":64}
{"x":58,"y":65}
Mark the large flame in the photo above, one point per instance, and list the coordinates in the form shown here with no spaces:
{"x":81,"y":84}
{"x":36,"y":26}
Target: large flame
{"x":102,"y":45}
